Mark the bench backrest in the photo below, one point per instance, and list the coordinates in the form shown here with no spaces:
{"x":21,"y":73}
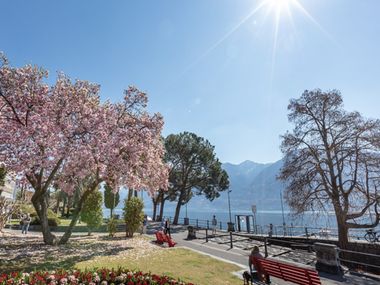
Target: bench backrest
{"x":160,"y":236}
{"x":287,"y":272}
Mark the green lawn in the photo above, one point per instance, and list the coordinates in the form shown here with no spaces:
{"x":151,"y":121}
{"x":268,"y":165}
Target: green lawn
{"x":190,"y":266}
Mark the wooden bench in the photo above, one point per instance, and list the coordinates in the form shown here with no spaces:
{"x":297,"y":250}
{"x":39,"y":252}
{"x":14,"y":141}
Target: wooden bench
{"x":288,"y":272}
{"x":161,"y":238}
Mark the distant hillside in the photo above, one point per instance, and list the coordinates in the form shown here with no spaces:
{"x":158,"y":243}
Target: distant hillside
{"x":250,"y":183}
{"x":253,"y":183}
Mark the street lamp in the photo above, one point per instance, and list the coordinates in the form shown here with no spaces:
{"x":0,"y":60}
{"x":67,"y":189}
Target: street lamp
{"x":254,"y":210}
{"x":283,"y":216}
{"x":230,"y":225}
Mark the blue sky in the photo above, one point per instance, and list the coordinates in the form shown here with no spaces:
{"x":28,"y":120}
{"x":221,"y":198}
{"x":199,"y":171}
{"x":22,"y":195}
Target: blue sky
{"x":202,"y":73}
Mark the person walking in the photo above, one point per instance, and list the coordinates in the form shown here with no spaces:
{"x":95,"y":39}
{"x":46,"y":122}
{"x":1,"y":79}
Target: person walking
{"x":270,"y":233}
{"x":167,"y":227}
{"x":214,"y":223}
{"x":25,"y":223}
{"x":145,"y":223}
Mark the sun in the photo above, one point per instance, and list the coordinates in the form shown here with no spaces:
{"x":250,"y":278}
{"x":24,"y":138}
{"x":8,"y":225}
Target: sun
{"x":279,"y":5}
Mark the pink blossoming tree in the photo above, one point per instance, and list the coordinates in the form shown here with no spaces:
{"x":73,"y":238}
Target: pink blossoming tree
{"x":63,"y":134}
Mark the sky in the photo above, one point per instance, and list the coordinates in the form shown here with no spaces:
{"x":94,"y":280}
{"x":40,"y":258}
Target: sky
{"x":223,"y":69}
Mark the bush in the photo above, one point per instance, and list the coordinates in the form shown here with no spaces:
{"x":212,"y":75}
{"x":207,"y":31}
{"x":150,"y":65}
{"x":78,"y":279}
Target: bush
{"x":111,"y":226}
{"x":100,"y":276}
{"x":53,"y":219}
{"x":92,"y":213}
{"x":133,"y":215}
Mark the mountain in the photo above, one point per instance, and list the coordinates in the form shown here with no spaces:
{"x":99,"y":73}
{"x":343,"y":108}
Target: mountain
{"x":253,"y":183}
{"x":250,"y":183}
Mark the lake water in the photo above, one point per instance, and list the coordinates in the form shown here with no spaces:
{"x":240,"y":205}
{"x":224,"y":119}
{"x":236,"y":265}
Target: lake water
{"x":262,"y":218}
{"x":314,"y":222}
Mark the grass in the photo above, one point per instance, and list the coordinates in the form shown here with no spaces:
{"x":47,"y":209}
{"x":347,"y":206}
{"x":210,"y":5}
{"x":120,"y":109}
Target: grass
{"x":27,"y":253}
{"x":190,"y":266}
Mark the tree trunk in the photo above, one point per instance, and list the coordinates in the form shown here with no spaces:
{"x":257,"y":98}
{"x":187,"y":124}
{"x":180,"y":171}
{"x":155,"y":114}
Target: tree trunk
{"x":154,"y":202}
{"x":178,"y":209}
{"x":342,"y":233}
{"x":69,"y":202}
{"x":76,"y":214}
{"x":111,"y":215}
{"x":57,"y":205}
{"x":159,"y":219}
{"x":130,"y":194}
{"x":39,"y":201}
{"x":63,"y":207}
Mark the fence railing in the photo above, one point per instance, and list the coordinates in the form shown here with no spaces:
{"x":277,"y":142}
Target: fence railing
{"x":355,"y":260}
{"x":281,"y":230}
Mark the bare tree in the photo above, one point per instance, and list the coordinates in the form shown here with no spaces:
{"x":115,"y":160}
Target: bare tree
{"x":8,"y":208}
{"x":332,"y":161}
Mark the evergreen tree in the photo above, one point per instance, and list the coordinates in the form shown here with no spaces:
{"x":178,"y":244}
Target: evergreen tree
{"x":111,"y":199}
{"x":133,"y":215}
{"x":194,"y":170}
{"x":92,"y":213}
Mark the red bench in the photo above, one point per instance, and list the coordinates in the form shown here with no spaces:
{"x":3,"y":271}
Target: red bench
{"x":161,"y":238}
{"x":288,"y":272}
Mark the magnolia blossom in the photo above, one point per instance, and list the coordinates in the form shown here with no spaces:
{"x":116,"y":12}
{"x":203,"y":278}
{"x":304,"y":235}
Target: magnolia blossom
{"x":65,"y":133}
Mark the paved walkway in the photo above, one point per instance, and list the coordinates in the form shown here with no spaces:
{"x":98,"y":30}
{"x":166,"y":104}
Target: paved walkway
{"x":240,"y":258}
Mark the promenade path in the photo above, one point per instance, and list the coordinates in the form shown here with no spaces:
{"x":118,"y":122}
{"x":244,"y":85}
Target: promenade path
{"x":240,"y":257}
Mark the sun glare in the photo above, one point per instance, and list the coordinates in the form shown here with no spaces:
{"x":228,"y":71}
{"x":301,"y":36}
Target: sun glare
{"x":279,"y":5}
{"x":282,"y":11}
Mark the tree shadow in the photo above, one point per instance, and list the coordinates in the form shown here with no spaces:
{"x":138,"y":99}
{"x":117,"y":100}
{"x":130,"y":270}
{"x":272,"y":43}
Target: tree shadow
{"x":29,"y":253}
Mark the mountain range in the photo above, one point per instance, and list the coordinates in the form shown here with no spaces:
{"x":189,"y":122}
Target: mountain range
{"x":250,"y":183}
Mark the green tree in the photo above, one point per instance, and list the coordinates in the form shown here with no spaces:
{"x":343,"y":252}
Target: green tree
{"x":332,"y":161}
{"x":133,"y":215}
{"x":3,"y":174}
{"x":111,"y":199}
{"x":92,"y":213}
{"x":194,"y":169}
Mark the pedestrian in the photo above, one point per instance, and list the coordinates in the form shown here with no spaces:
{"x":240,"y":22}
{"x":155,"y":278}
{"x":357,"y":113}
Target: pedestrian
{"x":214,"y":223}
{"x":167,"y":227}
{"x":270,"y":233}
{"x":145,"y":223}
{"x":25,"y":223}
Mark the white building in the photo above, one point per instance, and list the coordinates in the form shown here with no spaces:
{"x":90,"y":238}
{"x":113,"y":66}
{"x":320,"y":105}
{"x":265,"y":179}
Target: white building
{"x":9,"y":189}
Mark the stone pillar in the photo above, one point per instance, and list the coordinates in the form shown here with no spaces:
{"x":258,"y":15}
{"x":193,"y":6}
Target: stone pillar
{"x":191,"y":233}
{"x":327,"y":258}
{"x":230,"y":227}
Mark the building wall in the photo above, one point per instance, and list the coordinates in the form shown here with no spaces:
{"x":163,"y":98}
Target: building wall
{"x":9,"y":188}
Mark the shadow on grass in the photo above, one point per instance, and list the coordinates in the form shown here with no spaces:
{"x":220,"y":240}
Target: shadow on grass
{"x":30,"y":254}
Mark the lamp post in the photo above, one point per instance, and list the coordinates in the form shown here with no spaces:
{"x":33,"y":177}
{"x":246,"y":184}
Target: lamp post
{"x":254,"y":210}
{"x":230,"y":224}
{"x":283,"y":216}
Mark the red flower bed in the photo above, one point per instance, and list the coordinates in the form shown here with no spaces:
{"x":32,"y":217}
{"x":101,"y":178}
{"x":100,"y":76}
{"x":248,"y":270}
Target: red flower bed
{"x":94,"y":277}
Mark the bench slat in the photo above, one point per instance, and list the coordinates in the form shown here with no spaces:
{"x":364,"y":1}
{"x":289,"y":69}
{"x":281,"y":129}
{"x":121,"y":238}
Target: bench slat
{"x":292,"y":273}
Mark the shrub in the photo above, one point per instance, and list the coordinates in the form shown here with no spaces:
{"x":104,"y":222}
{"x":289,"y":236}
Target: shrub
{"x":133,"y":215}
{"x":111,"y":226}
{"x":53,"y":219}
{"x":92,"y":213}
{"x":100,"y":276}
